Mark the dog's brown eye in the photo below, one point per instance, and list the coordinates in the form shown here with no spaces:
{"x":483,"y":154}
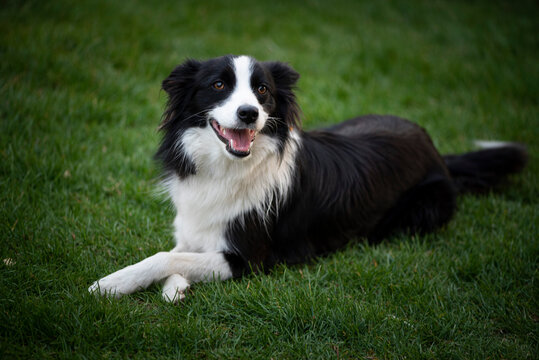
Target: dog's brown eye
{"x":262,"y":89}
{"x":219,"y":85}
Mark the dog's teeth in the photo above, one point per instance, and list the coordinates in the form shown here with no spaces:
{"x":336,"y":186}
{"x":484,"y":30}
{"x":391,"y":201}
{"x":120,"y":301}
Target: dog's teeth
{"x":224,"y":131}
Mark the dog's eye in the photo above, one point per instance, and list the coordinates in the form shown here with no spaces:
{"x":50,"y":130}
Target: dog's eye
{"x":218,"y":85}
{"x":262,"y":89}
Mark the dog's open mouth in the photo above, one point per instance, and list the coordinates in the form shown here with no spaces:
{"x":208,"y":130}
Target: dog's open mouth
{"x":238,"y":141}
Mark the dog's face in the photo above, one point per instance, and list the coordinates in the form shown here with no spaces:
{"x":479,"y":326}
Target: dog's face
{"x":235,"y":99}
{"x":242,"y":101}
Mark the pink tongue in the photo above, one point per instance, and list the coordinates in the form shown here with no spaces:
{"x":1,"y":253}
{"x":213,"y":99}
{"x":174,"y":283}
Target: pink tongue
{"x":239,"y":139}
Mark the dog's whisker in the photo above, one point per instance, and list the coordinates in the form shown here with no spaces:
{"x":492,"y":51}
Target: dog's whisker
{"x":204,"y":112}
{"x":271,"y":123}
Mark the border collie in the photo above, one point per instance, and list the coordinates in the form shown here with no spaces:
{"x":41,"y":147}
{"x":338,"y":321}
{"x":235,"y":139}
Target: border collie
{"x":251,"y":189}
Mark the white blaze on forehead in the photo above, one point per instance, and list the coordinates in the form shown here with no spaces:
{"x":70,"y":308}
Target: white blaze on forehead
{"x":243,"y":68}
{"x":242,"y":94}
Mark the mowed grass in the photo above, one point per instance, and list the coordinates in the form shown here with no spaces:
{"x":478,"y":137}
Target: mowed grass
{"x":80,"y":105}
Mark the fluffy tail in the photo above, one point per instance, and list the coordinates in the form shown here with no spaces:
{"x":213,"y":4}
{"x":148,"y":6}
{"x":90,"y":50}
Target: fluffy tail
{"x":480,"y":171}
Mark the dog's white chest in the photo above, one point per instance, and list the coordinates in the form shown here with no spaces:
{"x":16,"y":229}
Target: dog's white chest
{"x":202,"y":214}
{"x":205,"y":208}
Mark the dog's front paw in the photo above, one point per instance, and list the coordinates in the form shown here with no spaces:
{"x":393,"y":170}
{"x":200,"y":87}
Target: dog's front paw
{"x":174,"y":288}
{"x":120,"y":283}
{"x":103,"y":288}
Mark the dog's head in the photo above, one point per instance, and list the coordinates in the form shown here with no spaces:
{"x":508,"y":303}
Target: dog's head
{"x":235,"y":99}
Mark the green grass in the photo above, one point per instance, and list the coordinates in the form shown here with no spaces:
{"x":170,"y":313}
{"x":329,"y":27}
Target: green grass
{"x":80,"y":104}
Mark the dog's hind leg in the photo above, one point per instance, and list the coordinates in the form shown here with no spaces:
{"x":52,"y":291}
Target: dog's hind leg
{"x":422,"y":209}
{"x":192,"y":267}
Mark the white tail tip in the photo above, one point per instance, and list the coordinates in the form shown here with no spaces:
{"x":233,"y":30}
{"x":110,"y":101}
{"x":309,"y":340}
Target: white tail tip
{"x":485,"y":144}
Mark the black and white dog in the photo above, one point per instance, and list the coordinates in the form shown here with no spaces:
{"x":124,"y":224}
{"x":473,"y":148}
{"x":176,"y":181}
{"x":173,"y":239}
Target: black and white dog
{"x":251,"y":189}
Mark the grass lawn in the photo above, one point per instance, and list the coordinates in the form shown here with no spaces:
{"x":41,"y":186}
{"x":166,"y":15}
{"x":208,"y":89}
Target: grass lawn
{"x":79,"y":109}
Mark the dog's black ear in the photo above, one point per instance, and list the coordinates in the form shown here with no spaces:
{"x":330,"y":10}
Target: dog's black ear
{"x":179,"y":85}
{"x":181,"y":76}
{"x":285,"y":79}
{"x":284,"y":76}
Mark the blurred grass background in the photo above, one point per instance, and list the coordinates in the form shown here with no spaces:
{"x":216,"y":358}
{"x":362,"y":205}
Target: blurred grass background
{"x":80,"y":104}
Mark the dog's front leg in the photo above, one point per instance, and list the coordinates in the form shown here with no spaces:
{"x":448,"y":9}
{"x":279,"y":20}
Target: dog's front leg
{"x":191,"y":267}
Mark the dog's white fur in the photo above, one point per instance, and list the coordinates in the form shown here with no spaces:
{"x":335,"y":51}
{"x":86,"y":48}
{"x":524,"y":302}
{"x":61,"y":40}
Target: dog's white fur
{"x":223,"y":188}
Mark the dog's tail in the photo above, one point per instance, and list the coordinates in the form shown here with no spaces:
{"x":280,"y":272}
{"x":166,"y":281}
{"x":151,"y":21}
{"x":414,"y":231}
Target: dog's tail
{"x":480,"y":171}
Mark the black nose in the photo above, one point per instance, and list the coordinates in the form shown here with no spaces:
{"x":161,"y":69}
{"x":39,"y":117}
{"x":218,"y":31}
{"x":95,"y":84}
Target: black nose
{"x":248,"y":114}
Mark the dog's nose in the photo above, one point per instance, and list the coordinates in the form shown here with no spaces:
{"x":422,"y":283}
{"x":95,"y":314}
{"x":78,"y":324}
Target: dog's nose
{"x":248,"y":114}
